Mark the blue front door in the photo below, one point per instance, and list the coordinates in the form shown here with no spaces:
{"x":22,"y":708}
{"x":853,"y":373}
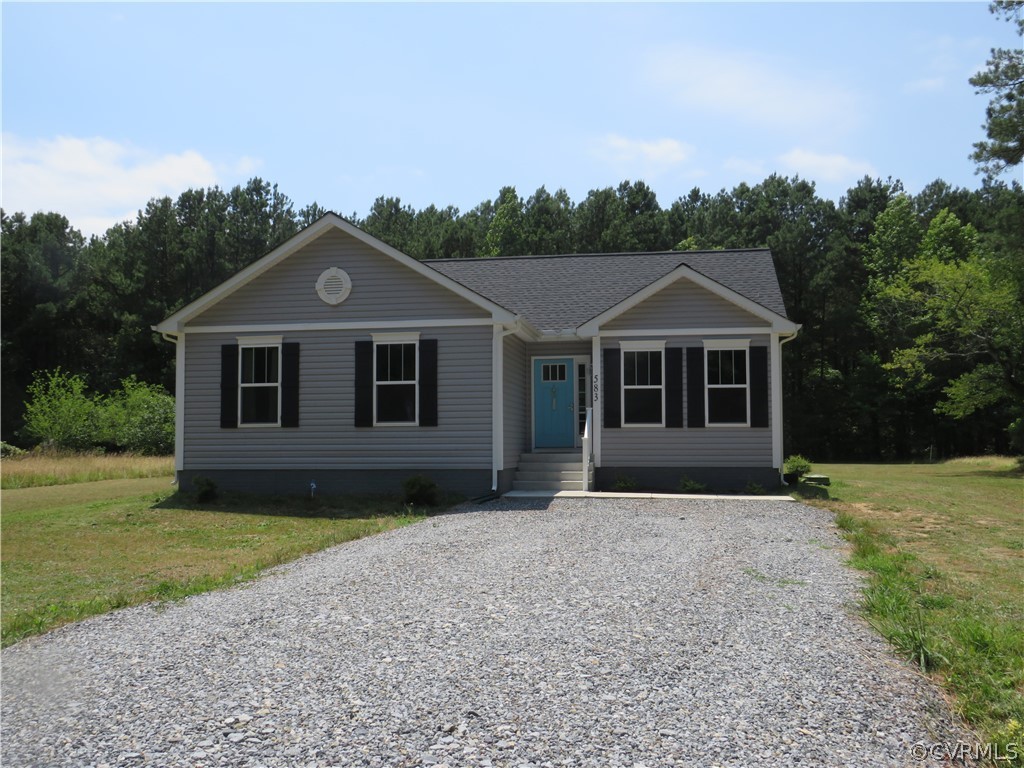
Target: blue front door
{"x":554,"y":415}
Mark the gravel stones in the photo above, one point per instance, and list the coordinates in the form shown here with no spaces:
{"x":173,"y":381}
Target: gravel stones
{"x":582,"y":632}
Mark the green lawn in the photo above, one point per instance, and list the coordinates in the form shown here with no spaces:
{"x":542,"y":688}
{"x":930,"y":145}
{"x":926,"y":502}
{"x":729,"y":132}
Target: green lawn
{"x":944,"y":547}
{"x":71,"y":551}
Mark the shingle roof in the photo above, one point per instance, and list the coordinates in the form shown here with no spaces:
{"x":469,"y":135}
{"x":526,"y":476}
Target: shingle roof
{"x":557,"y":292}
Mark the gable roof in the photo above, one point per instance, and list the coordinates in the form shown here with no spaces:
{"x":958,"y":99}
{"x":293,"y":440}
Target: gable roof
{"x":561,"y":292}
{"x":326,"y":223}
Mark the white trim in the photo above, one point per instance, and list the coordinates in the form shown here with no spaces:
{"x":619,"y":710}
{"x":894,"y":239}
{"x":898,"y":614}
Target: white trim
{"x":640,"y":346}
{"x":365,"y":325}
{"x":593,"y":326}
{"x":179,"y":403}
{"x":321,"y":286}
{"x":726,"y":345}
{"x":596,"y":383}
{"x":259,"y":342}
{"x":397,"y":338}
{"x":327,"y":223}
{"x":774,"y":360}
{"x":664,"y":332}
{"x":497,"y":403}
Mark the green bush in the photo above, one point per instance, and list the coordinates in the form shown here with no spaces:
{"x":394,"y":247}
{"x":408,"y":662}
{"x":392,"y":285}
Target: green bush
{"x":140,"y":418}
{"x":421,"y":491}
{"x":625,"y":483}
{"x":206,"y":489}
{"x":62,"y":414}
{"x":8,"y":451}
{"x":689,"y":485}
{"x":797,"y":465}
{"x":59,"y":413}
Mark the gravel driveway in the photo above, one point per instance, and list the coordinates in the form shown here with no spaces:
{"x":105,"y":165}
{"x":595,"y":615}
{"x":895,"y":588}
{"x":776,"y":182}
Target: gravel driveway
{"x":584,"y":632}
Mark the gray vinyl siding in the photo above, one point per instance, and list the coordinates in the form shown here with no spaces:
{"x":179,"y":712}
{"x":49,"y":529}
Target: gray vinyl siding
{"x":381,"y":289}
{"x":684,"y":304}
{"x":326,"y":437}
{"x":516,"y":393}
{"x":687,"y":447}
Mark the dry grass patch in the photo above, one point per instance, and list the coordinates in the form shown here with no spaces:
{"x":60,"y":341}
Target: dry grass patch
{"x":37,"y":469}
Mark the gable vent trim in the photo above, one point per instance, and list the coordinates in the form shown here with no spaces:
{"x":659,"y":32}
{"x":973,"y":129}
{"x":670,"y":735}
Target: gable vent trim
{"x":334,"y":286}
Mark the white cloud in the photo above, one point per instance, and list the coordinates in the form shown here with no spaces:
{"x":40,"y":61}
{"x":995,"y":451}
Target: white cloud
{"x":829,"y":168}
{"x":751,"y":169}
{"x":759,"y":91}
{"x":925,"y":84}
{"x":639,"y":157}
{"x":96,"y":182}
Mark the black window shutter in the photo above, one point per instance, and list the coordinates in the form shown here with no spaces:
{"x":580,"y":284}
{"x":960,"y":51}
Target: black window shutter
{"x":428,"y":382}
{"x":364,"y":384}
{"x":674,"y":387}
{"x":612,"y":387}
{"x":229,"y":386}
{"x":759,"y":386}
{"x":290,"y":384}
{"x":695,"y":386}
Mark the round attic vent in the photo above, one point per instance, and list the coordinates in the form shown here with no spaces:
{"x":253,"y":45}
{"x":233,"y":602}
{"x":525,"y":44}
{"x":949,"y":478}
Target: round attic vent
{"x":334,"y":285}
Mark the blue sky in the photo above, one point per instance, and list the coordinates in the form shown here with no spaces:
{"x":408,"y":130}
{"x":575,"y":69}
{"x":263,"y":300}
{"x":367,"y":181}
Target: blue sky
{"x":106,"y":106}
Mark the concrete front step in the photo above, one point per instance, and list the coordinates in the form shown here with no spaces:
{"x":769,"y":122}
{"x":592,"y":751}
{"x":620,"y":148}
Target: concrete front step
{"x":561,"y":471}
{"x":547,"y":485}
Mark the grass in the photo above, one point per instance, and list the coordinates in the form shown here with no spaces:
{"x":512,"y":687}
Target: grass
{"x":35,"y":469}
{"x":943,"y":545}
{"x":73,"y":551}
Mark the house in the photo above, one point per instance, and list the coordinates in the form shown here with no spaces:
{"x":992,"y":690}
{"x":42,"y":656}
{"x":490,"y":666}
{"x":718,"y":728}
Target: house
{"x":337,"y":360}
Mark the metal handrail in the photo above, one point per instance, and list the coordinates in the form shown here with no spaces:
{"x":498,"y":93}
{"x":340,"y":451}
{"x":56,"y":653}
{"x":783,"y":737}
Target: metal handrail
{"x":587,"y":448}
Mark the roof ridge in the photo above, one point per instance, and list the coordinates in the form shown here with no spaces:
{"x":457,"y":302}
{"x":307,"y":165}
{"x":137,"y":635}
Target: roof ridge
{"x":525,"y":257}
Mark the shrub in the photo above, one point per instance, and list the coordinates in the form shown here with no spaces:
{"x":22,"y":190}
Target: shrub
{"x":140,"y":418}
{"x":625,"y":483}
{"x":797,"y":465}
{"x":421,"y":491}
{"x":8,"y":451}
{"x":206,"y":489}
{"x":59,"y":413}
{"x":689,"y":485}
{"x":754,"y":489}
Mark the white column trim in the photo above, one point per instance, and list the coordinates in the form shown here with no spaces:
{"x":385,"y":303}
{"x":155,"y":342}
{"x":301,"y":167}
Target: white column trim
{"x":775,"y":361}
{"x":497,"y":404}
{"x":179,"y":403}
{"x":596,"y":396}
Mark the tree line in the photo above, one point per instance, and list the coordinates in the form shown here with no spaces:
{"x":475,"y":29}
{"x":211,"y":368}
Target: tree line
{"x":912,"y":306}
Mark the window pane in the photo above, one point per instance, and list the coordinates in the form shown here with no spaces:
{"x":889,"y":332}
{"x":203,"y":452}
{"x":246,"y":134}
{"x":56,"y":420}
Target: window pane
{"x":259,"y":405}
{"x":408,"y":362}
{"x":714,"y":367}
{"x":727,"y":406}
{"x":396,"y":402}
{"x":629,"y":368}
{"x":259,"y":365}
{"x":643,"y":406}
{"x":654,"y":368}
{"x":726,"y":367}
{"x":739,"y":366}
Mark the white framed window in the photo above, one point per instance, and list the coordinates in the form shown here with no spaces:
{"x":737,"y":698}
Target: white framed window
{"x":259,"y":381}
{"x":396,"y":379}
{"x":727,"y":383}
{"x":643,"y":383}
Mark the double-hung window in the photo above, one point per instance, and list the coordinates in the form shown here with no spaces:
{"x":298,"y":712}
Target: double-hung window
{"x":643,"y":383}
{"x":259,"y":381}
{"x":727,"y":386}
{"x":396,"y":378}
